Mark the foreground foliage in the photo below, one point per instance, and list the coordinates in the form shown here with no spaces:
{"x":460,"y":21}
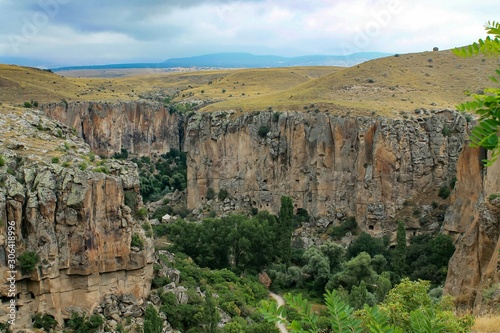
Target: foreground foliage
{"x":407,"y":308}
{"x":487,"y":103}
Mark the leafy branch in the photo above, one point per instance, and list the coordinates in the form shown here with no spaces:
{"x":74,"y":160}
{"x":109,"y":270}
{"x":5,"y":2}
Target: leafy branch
{"x":487,"y":105}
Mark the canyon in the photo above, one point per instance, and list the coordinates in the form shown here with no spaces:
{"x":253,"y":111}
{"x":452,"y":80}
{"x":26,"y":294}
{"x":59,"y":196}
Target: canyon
{"x":378,"y":170}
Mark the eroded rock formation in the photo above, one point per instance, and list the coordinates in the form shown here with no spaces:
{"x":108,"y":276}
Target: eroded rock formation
{"x":70,"y":210}
{"x":376,"y":169}
{"x":143,"y":128}
{"x":332,"y":166}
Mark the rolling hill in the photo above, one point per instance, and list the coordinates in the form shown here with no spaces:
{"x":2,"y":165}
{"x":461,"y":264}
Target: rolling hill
{"x":385,"y":86}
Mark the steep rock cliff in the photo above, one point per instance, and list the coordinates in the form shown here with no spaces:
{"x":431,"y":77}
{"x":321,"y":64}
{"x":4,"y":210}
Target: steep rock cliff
{"x":71,"y":215}
{"x":332,"y":166}
{"x":378,"y":170}
{"x":475,"y":214}
{"x":143,"y":128}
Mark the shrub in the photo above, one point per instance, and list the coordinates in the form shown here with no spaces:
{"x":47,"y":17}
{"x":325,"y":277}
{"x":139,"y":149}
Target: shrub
{"x":2,"y":161}
{"x":83,"y":166}
{"x":152,"y":321}
{"x":104,"y":169}
{"x":263,"y":130}
{"x":80,"y":324}
{"x":27,"y":105}
{"x":122,"y":155}
{"x":28,"y":261}
{"x":223,"y":194}
{"x":210,"y":194}
{"x":276,"y":116}
{"x":45,"y":322}
{"x":142,"y":212}
{"x":444,"y":192}
{"x":446,"y":131}
{"x":66,"y":164}
{"x":160,"y":230}
{"x":137,"y":242}
{"x":494,"y":196}
{"x":130,"y":199}
{"x":349,"y":224}
{"x":55,"y":160}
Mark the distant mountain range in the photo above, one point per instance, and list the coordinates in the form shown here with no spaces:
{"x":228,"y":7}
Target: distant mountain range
{"x":244,"y":60}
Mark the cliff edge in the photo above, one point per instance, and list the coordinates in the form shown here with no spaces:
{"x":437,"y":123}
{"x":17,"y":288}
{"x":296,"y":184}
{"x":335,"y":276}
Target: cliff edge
{"x":73,"y":212}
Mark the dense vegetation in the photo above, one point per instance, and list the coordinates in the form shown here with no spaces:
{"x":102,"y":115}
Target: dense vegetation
{"x":207,"y":291}
{"x":159,"y":176}
{"x":407,"y":308}
{"x":363,"y":273}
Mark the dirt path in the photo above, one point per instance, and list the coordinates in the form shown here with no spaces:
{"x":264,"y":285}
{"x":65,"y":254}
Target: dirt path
{"x":280,"y":302}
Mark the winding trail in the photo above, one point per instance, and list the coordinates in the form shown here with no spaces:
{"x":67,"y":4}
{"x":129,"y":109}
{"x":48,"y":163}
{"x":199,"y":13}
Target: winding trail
{"x":280,"y":302}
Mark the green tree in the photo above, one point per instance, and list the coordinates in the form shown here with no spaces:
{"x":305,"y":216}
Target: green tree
{"x":355,"y":270}
{"x":399,"y":255}
{"x":285,"y":229}
{"x":318,"y":267}
{"x":152,"y":321}
{"x":487,"y":105}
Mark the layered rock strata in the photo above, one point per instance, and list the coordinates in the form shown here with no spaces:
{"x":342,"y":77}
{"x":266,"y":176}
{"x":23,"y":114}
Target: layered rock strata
{"x":143,"y":128}
{"x":69,"y":209}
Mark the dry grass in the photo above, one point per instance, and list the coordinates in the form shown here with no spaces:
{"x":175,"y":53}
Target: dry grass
{"x":487,"y":324}
{"x":386,"y":86}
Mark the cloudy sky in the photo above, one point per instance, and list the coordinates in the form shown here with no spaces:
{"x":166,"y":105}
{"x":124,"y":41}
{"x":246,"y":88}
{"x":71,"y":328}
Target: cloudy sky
{"x":83,"y":32}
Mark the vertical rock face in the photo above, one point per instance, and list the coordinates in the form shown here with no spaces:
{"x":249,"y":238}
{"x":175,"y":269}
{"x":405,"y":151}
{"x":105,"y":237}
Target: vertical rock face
{"x":332,"y":166}
{"x":75,"y":221}
{"x":475,"y":214}
{"x":143,"y":128}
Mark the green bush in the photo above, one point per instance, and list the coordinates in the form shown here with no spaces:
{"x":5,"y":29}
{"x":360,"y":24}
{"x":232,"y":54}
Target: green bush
{"x":55,"y":160}
{"x":122,"y":155}
{"x":27,"y":105}
{"x":223,"y":194}
{"x":137,"y":241}
{"x":263,"y":130}
{"x":276,"y":116}
{"x":2,"y":161}
{"x":104,"y":169}
{"x":160,"y":230}
{"x":444,"y":192}
{"x":210,"y":194}
{"x":45,"y":322}
{"x":446,"y":131}
{"x":152,"y":321}
{"x":142,"y":212}
{"x":28,"y":261}
{"x":83,"y":166}
{"x":130,"y":199}
{"x":347,"y":225}
{"x":494,"y":196}
{"x":80,"y":324}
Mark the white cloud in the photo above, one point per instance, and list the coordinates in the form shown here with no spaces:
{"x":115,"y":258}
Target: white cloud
{"x":154,"y":30}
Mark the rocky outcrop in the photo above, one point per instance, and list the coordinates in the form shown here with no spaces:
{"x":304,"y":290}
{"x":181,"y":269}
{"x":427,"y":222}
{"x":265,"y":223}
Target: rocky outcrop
{"x":332,"y":166}
{"x":71,"y":211}
{"x":474,"y":268}
{"x":143,"y":128}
